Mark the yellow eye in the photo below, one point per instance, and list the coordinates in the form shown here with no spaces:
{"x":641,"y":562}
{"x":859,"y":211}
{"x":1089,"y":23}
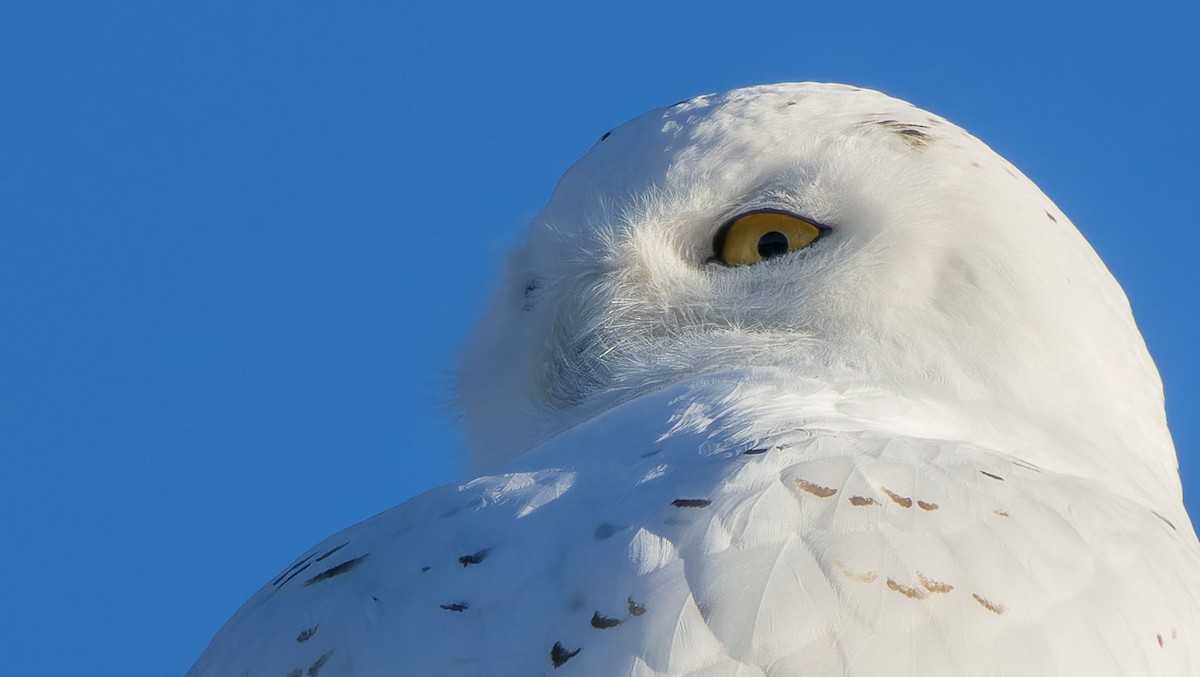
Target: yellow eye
{"x":758,"y":236}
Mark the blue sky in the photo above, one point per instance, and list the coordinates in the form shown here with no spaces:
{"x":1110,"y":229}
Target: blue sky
{"x":242,"y":243}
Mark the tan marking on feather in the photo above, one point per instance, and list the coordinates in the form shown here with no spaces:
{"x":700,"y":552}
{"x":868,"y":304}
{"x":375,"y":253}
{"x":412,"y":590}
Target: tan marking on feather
{"x":865,"y":577}
{"x":989,"y":604}
{"x":902,"y":501}
{"x":912,"y":593}
{"x":1002,"y":513}
{"x":927,"y":506}
{"x":863,"y":500}
{"x":932,"y":585}
{"x":815,"y":489}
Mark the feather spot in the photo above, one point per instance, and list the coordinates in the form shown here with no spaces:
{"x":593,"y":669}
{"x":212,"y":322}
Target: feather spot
{"x":635,"y":609}
{"x":1164,"y":519}
{"x":607,"y":530}
{"x":316,"y":666}
{"x":930,"y":507}
{"x":911,"y":593}
{"x":1051,"y":216}
{"x":902,"y":501}
{"x":425,"y":569}
{"x":861,"y":501}
{"x":995,"y":477}
{"x":815,"y":489}
{"x":989,"y":604}
{"x":933,"y":586}
{"x":336,"y":570}
{"x":1160,"y":640}
{"x":560,"y":655}
{"x":295,"y":673}
{"x":865,"y":577}
{"x":691,"y":503}
{"x":1028,"y":466}
{"x":474,"y":558}
{"x":604,"y":622}
{"x":605,"y":135}
{"x":307,"y":634}
{"x":755,"y":452}
{"x":1001,"y":513}
{"x":457,"y":606}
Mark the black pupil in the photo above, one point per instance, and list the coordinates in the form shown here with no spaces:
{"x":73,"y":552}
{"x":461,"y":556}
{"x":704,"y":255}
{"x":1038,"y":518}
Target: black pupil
{"x":772,"y":244}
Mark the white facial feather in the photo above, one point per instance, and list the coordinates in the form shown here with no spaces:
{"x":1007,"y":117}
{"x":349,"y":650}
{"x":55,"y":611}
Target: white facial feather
{"x":946,"y":275}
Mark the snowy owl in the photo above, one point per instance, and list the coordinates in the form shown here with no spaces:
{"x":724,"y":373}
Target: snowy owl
{"x":792,"y":380}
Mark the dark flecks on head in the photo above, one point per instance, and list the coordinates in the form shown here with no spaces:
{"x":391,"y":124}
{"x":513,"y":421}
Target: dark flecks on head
{"x":473,"y":558}
{"x":294,"y":573}
{"x":530,"y":290}
{"x":331,"y":551}
{"x":457,"y":606}
{"x":691,"y":503}
{"x":307,"y":634}
{"x":912,"y":134}
{"x":424,"y":569}
{"x":995,"y":477}
{"x":605,"y":135}
{"x":338,"y":570}
{"x":755,"y":452}
{"x":1051,"y":216}
{"x":298,"y":566}
{"x":560,"y":654}
{"x":604,"y":622}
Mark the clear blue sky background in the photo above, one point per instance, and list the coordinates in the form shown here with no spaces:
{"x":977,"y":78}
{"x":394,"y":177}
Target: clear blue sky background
{"x":242,"y":243}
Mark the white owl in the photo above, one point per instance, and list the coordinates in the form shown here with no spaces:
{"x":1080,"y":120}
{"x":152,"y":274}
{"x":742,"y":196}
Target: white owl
{"x":792,"y":380}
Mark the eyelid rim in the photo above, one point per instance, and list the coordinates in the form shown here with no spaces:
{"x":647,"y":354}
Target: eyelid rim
{"x":718,"y":242}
